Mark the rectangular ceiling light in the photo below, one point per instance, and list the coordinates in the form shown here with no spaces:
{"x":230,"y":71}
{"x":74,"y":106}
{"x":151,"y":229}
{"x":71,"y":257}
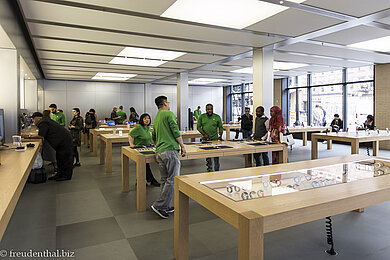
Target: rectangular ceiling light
{"x":277,"y":66}
{"x":145,"y":57}
{"x":113,"y":76}
{"x":379,"y":44}
{"x":204,"y":81}
{"x":248,"y":70}
{"x":224,"y":12}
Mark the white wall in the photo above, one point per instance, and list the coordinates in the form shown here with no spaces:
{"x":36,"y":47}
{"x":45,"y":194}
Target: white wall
{"x":9,"y":88}
{"x":101,"y":96}
{"x":201,"y":96}
{"x":31,"y":95}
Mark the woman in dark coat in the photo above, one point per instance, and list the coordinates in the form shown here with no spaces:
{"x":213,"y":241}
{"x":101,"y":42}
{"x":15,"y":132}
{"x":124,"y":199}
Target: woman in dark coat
{"x":133,"y":115}
{"x":75,"y":127}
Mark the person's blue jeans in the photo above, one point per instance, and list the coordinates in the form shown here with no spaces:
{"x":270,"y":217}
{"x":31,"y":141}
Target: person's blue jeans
{"x":209,"y":164}
{"x":246,"y":133}
{"x":264,"y":156}
{"x":169,"y":165}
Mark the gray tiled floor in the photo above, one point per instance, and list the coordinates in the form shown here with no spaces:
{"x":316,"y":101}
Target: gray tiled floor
{"x":91,"y":216}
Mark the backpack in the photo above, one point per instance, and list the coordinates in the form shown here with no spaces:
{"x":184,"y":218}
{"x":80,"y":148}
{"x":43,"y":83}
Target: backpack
{"x":89,"y":120}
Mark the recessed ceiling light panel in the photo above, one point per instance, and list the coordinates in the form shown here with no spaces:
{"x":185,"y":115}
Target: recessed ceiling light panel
{"x":224,"y":12}
{"x":379,"y":44}
{"x":145,"y":57}
{"x":204,"y":81}
{"x":113,"y":76}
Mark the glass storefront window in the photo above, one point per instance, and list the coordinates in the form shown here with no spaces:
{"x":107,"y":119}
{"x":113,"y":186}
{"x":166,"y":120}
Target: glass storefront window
{"x":248,"y":87}
{"x":360,"y":74}
{"x":329,"y":77}
{"x":236,"y":107}
{"x":292,"y":106}
{"x":248,"y":101}
{"x":236,"y":89}
{"x":360,"y":103}
{"x":326,"y":100}
{"x":302,"y":80}
{"x":302,"y":105}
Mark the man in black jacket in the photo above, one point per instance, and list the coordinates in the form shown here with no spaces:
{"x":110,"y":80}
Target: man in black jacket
{"x":246,"y":123}
{"x":60,"y":139}
{"x":337,"y":123}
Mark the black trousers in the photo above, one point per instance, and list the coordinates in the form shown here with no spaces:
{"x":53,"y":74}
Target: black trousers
{"x":76,"y":153}
{"x":64,"y":156}
{"x":149,"y":174}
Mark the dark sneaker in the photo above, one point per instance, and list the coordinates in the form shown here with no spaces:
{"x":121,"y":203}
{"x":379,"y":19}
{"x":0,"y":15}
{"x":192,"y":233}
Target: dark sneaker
{"x":162,"y":213}
{"x":171,"y":210}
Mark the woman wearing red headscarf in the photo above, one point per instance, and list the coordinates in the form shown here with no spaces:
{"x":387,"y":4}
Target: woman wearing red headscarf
{"x":276,"y":126}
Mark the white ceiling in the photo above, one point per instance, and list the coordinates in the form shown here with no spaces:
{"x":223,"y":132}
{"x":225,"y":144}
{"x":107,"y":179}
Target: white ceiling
{"x":77,"y":39}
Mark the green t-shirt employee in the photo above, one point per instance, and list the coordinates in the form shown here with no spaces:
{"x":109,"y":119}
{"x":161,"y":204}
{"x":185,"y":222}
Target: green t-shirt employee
{"x":141,"y":135}
{"x":210,"y":125}
{"x":197,"y":113}
{"x":56,"y":115}
{"x":166,"y":136}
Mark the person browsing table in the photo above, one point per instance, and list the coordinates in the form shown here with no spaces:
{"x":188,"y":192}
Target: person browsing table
{"x":141,"y":136}
{"x":210,"y":125}
{"x":166,"y":136}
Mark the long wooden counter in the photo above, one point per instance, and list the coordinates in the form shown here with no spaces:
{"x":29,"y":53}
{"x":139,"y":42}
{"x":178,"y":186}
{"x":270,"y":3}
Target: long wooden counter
{"x":14,"y":170}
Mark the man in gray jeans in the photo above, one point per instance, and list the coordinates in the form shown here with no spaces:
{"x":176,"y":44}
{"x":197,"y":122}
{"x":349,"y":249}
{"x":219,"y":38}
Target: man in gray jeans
{"x":166,"y":136}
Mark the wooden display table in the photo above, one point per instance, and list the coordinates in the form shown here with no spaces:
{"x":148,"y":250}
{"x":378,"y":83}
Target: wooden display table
{"x":227,"y":128}
{"x":193,"y":152}
{"x":349,"y":138}
{"x":106,"y":141}
{"x":261,"y":214}
{"x":307,"y":129}
{"x":14,"y":170}
{"x":94,"y":133}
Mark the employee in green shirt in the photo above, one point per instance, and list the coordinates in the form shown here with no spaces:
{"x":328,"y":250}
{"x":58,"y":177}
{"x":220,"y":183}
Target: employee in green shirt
{"x":57,"y":115}
{"x":141,"y":135}
{"x":210,"y":125}
{"x":166,"y":136}
{"x":197,"y":113}
{"x":121,"y":114}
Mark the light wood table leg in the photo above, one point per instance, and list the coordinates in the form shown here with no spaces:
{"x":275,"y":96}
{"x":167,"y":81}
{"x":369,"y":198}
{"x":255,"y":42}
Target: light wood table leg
{"x":125,"y":173}
{"x":283,"y":155}
{"x":250,"y":236}
{"x":227,"y":133}
{"x":141,"y":184}
{"x":248,"y":160}
{"x":181,"y":226}
{"x":304,"y":138}
{"x":375,"y":148}
{"x":109,"y":156}
{"x":329,"y":144}
{"x":102,"y":146}
{"x":355,"y":150}
{"x":355,"y":147}
{"x":90,"y":142}
{"x":95,"y":144}
{"x":314,"y":148}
